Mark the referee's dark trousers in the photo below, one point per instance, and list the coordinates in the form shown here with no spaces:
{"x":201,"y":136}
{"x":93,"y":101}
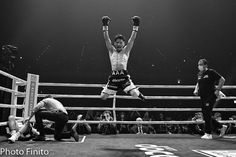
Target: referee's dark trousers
{"x":207,"y":108}
{"x":60,"y":118}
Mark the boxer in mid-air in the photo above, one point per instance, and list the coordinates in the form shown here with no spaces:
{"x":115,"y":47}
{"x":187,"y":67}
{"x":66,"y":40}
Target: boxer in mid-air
{"x":119,"y":54}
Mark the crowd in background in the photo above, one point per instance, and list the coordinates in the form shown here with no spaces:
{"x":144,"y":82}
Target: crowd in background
{"x":82,"y":127}
{"x":112,"y":128}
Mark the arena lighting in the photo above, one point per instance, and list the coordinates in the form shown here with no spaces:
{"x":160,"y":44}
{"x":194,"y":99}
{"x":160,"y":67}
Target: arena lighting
{"x":8,"y":57}
{"x":235,"y":101}
{"x":12,"y":50}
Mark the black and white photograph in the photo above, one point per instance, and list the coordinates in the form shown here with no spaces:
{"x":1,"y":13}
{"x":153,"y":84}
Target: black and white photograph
{"x":118,"y":78}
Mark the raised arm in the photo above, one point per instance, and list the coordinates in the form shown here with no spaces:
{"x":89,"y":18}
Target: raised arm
{"x":136,"y":22}
{"x":105,"y":21}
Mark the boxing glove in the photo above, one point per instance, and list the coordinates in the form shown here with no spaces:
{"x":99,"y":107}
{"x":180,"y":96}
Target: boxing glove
{"x":105,"y":20}
{"x":136,"y":20}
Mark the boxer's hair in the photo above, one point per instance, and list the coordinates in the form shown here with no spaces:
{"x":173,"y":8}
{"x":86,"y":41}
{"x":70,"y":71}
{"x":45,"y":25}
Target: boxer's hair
{"x":119,"y":36}
{"x":204,"y":61}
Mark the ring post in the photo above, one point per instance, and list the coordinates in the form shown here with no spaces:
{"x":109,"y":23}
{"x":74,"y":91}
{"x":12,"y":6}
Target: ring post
{"x":31,"y":93}
{"x":14,"y":97}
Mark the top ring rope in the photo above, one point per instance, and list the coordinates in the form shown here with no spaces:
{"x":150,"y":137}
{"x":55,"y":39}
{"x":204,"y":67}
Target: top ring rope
{"x":141,"y":86}
{"x":21,"y":81}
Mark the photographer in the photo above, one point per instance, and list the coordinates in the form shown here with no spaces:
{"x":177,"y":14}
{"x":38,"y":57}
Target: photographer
{"x":106,"y":128}
{"x":81,"y":128}
{"x":232,"y":126}
{"x":197,"y":128}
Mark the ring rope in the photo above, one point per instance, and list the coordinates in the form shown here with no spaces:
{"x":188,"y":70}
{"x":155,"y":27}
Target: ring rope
{"x":71,"y":85}
{"x":23,"y":82}
{"x":21,"y":94}
{"x":141,"y":86}
{"x":13,"y":77}
{"x":129,"y":97}
{"x":3,"y":123}
{"x":146,"y":109}
{"x":140,"y":122}
{"x":18,"y":106}
{"x":147,"y":122}
{"x":17,"y":118}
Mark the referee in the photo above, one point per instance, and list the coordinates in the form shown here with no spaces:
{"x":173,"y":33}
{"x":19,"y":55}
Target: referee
{"x":53,"y":110}
{"x":205,"y":88}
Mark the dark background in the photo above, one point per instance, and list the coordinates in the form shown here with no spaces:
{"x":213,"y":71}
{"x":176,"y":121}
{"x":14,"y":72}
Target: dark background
{"x":62,"y":41}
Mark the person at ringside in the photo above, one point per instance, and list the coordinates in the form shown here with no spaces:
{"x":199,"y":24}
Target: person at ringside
{"x":139,"y":128}
{"x":209,"y":94}
{"x":53,"y":110}
{"x":81,"y":128}
{"x":106,"y":128}
{"x":119,"y":54}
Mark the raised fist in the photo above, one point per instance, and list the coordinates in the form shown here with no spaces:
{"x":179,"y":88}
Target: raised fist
{"x":136,"y":20}
{"x":105,"y":20}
